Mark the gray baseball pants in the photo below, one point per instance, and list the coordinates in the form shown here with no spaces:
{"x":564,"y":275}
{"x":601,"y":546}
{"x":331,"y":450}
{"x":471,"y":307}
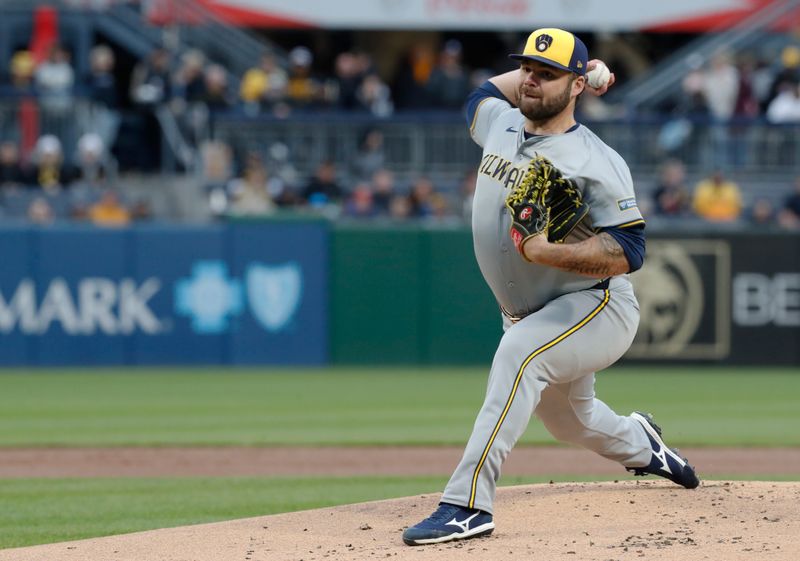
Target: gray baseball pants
{"x":545,"y":364}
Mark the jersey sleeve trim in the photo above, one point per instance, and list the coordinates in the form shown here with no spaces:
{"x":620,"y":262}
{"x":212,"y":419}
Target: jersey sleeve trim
{"x":632,"y":241}
{"x":475,"y":115}
{"x":485,"y":91}
{"x":630,"y":224}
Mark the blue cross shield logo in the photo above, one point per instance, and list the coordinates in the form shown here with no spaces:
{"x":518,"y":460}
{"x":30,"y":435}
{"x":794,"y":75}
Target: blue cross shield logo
{"x":209,"y":297}
{"x":274,"y":293}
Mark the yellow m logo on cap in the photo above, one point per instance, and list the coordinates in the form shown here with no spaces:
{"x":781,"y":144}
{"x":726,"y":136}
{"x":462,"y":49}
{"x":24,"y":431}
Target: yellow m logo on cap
{"x":551,"y":43}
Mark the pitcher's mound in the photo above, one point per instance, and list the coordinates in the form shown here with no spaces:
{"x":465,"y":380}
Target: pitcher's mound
{"x":577,"y":522}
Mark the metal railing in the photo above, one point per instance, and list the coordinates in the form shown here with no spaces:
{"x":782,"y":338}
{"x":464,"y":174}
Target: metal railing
{"x":24,"y":119}
{"x":439,"y":143}
{"x":420,"y":144}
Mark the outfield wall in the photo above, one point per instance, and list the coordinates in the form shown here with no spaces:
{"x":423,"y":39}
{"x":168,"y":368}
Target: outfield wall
{"x":238,"y":294}
{"x":305,"y":293}
{"x":416,"y":296}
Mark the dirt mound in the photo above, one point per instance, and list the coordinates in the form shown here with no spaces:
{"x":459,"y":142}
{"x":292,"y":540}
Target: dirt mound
{"x":577,"y":522}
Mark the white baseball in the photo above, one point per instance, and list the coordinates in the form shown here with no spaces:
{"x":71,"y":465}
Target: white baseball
{"x":598,"y":76}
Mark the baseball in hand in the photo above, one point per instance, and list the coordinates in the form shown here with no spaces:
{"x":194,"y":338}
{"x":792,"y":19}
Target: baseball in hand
{"x":598,"y":76}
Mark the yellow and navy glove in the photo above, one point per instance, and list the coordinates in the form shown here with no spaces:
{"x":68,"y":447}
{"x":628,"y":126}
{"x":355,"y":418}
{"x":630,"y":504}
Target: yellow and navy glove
{"x":544,"y":202}
{"x":567,"y":207}
{"x":527,"y":203}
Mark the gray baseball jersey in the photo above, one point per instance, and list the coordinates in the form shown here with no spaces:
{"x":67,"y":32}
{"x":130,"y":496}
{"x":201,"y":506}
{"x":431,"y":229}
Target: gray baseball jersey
{"x":560,"y":328}
{"x":600,"y":173}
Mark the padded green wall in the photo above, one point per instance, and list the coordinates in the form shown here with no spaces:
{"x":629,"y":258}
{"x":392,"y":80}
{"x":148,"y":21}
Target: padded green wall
{"x":409,"y":296}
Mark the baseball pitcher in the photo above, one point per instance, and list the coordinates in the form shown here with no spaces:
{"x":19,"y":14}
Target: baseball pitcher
{"x":556,"y":230}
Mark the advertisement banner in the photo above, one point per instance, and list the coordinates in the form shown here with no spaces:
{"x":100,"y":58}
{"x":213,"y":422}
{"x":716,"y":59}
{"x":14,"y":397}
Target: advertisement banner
{"x":283,"y":278}
{"x":165,"y":260}
{"x":683,"y":291}
{"x":487,"y":15}
{"x":15,"y":278}
{"x":733,"y":298}
{"x":257,"y":293}
{"x":80,"y":293}
{"x":765,"y":301}
{"x":237,"y":294}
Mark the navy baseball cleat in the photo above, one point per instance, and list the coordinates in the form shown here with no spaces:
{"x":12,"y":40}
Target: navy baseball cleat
{"x":666,"y":462}
{"x":450,"y":522}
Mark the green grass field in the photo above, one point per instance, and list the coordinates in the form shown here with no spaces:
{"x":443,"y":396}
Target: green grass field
{"x":702,"y":407}
{"x":34,"y":511}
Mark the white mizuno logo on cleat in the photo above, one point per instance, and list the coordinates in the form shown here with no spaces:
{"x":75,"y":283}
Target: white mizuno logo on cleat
{"x":464,"y":525}
{"x":662,"y":457}
{"x":662,"y":448}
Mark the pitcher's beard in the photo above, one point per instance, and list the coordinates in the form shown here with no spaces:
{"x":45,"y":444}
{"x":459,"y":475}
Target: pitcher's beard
{"x":545,"y":109}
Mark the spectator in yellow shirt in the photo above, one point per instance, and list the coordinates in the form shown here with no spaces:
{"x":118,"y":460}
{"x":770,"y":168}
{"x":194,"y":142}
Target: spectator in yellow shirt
{"x":109,"y":211}
{"x":717,"y":199}
{"x":264,"y":85}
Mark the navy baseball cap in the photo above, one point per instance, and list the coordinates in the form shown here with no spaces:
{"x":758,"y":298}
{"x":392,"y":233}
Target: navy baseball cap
{"x":556,"y":47}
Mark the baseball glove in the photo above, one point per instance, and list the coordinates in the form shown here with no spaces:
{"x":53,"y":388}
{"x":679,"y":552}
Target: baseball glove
{"x":544,"y":202}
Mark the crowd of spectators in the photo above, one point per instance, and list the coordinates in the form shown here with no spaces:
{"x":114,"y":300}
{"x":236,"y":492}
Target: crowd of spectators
{"x":740,"y":86}
{"x":723,"y":95}
{"x":266,"y":184}
{"x":189,"y":82}
{"x":47,"y":186}
{"x":68,"y":169}
{"x":363,"y":189}
{"x":719,"y":199}
{"x":729,"y":86}
{"x":56,"y":161}
{"x":427,"y":80}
